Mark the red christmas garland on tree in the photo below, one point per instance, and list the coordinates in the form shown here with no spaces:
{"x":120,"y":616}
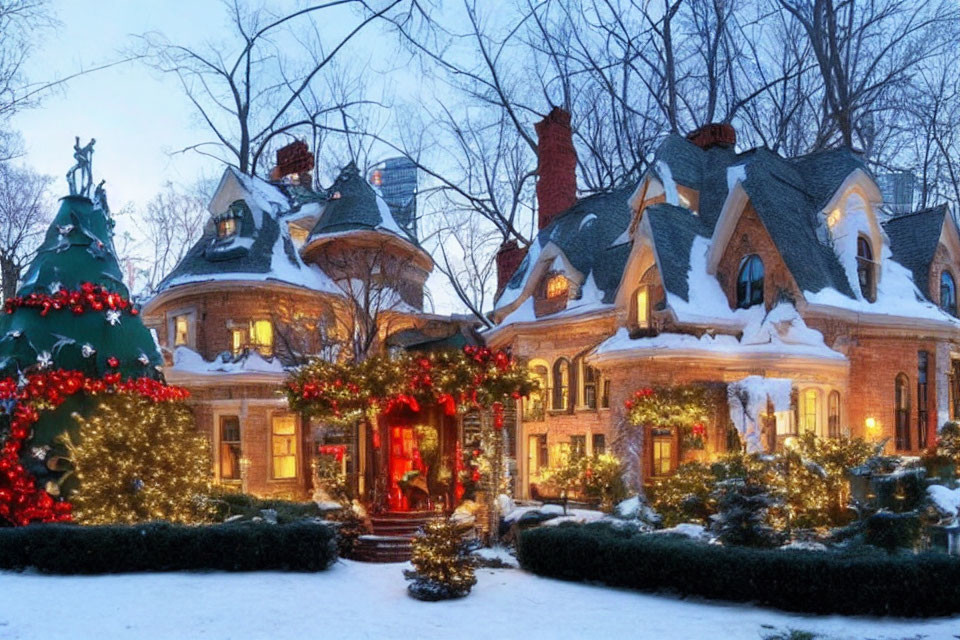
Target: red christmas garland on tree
{"x":21,"y":501}
{"x":90,"y":297}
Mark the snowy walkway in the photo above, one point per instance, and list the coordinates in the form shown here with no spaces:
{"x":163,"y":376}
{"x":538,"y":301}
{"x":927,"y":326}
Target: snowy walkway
{"x":354,"y":600}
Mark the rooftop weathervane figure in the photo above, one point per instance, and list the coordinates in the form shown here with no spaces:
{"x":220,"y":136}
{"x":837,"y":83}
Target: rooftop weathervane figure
{"x":84,"y":158}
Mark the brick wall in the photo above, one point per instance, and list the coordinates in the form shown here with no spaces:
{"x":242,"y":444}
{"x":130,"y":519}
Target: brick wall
{"x":751,"y":237}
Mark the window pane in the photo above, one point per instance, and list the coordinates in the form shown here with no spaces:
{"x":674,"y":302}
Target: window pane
{"x":948,"y":293}
{"x":750,"y":282}
{"x":229,"y":447}
{"x":284,"y":446}
{"x":809,"y":414}
{"x":643,"y":306}
{"x":261,"y":336}
{"x":181,"y":330}
{"x":578,"y":447}
{"x":599,"y":444}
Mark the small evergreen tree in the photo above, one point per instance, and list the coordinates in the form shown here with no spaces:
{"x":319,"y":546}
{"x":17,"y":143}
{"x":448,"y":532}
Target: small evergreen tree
{"x":442,"y":568}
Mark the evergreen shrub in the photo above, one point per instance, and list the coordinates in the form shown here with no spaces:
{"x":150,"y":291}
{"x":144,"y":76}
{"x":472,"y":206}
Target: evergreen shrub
{"x":72,"y":549}
{"x":819,"y":582}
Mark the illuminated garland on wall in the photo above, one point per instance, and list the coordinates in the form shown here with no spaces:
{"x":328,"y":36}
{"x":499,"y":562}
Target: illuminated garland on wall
{"x":682,"y":407}
{"x":21,"y":501}
{"x":476,"y":377}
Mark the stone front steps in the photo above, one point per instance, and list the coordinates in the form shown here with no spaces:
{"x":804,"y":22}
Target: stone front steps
{"x":392,"y":537}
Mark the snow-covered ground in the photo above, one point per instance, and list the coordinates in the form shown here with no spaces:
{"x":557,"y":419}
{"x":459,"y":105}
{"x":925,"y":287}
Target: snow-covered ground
{"x":356,"y":600}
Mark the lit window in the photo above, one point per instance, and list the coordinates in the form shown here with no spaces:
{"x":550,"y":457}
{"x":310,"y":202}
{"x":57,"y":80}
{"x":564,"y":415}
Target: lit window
{"x":238,"y":339}
{"x":229,"y":448}
{"x":557,"y":286}
{"x":226,"y":227}
{"x":948,"y":293}
{"x":284,"y":446}
{"x":261,"y":336}
{"x":750,"y":282}
{"x":662,"y":455}
{"x":181,"y":331}
{"x":643,"y":307}
{"x":810,"y":409}
{"x":534,"y":404}
{"x":865,"y":269}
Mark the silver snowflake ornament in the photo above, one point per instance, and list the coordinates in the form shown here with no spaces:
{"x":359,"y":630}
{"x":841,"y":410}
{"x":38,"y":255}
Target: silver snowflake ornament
{"x":64,"y":229}
{"x":87,"y":350}
{"x":16,"y":333}
{"x":55,"y":286}
{"x":144,"y":359}
{"x":45,"y":359}
{"x":113,"y":317}
{"x":40,"y":453}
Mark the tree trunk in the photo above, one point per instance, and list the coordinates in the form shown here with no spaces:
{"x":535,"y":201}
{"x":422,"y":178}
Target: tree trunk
{"x":10,"y":276}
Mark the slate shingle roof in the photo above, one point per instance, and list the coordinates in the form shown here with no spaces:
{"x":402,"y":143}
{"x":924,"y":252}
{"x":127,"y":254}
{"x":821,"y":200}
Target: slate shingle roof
{"x":585,"y":233}
{"x":673,"y":229}
{"x":913,"y":241}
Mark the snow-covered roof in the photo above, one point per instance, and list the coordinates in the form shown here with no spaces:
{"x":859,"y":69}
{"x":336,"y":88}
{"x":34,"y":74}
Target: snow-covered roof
{"x":781,"y":332}
{"x":186,"y":360}
{"x":262,"y":249}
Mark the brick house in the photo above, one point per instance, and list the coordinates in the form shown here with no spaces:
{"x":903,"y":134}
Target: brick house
{"x":778,"y":281}
{"x":271,"y":282}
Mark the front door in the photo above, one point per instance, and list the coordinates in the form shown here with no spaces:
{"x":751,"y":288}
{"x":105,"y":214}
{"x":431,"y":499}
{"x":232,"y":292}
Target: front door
{"x":403,"y":447}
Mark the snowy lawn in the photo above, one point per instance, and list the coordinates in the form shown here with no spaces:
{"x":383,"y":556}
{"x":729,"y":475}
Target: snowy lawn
{"x":356,"y":600}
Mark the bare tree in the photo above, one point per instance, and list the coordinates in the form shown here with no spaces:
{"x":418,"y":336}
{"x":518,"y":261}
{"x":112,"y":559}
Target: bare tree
{"x":253,"y":89}
{"x":24,"y":216}
{"x":172,"y":223}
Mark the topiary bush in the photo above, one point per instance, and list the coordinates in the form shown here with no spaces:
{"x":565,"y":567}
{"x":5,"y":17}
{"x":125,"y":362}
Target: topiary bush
{"x":71,"y":549}
{"x":808,"y":581}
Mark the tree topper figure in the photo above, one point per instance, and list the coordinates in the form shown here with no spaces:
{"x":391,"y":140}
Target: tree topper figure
{"x":84,"y":158}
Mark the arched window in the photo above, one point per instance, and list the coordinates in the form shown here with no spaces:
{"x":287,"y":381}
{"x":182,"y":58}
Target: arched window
{"x":590,"y":379}
{"x":902,"y":407}
{"x":866,"y":269}
{"x":948,"y":293}
{"x":534,"y":405}
{"x":642,"y":306}
{"x":561,"y":384}
{"x":557,"y":286}
{"x":750,"y":282}
{"x":833,"y":414}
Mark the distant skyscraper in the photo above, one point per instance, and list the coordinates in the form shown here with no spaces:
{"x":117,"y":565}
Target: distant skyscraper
{"x":397,"y":181}
{"x":897,"y":190}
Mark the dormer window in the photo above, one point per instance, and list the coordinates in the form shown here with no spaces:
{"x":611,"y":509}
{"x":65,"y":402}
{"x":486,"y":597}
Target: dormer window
{"x":750,"y":282}
{"x":642,"y":307}
{"x":557,"y":287}
{"x":226,"y":227}
{"x":866,"y":269}
{"x":948,"y":293}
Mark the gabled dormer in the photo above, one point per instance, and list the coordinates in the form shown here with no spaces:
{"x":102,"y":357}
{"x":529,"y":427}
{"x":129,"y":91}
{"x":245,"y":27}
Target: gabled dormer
{"x":927,"y":243}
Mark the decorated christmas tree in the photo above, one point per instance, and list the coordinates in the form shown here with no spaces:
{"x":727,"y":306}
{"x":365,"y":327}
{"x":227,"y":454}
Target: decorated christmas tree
{"x":70,"y":334}
{"x":441,"y":568}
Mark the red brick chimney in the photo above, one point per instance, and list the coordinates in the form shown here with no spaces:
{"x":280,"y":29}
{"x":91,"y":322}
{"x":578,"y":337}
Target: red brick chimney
{"x":713,"y":135}
{"x":509,"y":258}
{"x":557,"y":170}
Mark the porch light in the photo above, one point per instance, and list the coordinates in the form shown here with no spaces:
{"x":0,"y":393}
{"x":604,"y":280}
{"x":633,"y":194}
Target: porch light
{"x":871,"y":423}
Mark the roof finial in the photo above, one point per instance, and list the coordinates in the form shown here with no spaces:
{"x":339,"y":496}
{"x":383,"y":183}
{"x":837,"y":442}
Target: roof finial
{"x":84,"y":158}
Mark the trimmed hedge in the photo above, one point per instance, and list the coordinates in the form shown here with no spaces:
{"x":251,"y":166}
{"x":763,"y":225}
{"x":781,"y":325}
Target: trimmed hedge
{"x":72,"y":549}
{"x":806,"y":581}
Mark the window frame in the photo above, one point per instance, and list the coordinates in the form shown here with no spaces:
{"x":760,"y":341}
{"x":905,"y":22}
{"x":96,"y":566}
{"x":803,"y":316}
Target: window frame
{"x":227,"y":227}
{"x":589,"y":386}
{"x":598,"y":441}
{"x":866,"y":269}
{"x":750,"y":285}
{"x":560,"y":398}
{"x":271,"y":455}
{"x":544,"y":394}
{"x":190,"y":315}
{"x":642,"y":320}
{"x":833,"y":414}
{"x":901,"y":412}
{"x":556,"y":287}
{"x":221,"y":441}
{"x":923,"y":398}
{"x":952,"y":308}
{"x":805,"y":413}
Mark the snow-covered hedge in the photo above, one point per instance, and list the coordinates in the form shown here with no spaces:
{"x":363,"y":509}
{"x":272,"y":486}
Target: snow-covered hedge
{"x":809,"y":581}
{"x":72,"y":549}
